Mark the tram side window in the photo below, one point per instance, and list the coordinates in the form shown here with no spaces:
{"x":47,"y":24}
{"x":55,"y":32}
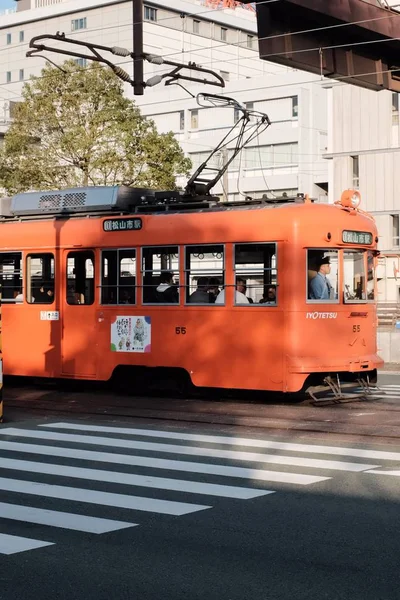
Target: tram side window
{"x":371,"y":275}
{"x":354,"y":277}
{"x":40,"y":278}
{"x":256,"y":274}
{"x":160,"y":275}
{"x":80,"y":277}
{"x":322,"y":275}
{"x":118,"y":276}
{"x":11,"y":276}
{"x":204,"y":273}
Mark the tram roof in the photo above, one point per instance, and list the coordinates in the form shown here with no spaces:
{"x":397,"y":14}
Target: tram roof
{"x":105,"y":200}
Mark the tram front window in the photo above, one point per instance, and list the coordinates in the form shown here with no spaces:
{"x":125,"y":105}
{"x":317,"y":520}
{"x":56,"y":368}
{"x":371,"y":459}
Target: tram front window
{"x":322,"y":275}
{"x":354,"y":276}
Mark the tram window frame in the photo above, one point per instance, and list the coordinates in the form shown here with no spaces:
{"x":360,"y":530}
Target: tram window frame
{"x":148,"y":285}
{"x":266,"y":283}
{"x":82,"y":291}
{"x":204,"y":272}
{"x":119,"y":286}
{"x":16,"y":275}
{"x":347,"y":296}
{"x":323,"y":253}
{"x":370,"y":257}
{"x":38,"y":294}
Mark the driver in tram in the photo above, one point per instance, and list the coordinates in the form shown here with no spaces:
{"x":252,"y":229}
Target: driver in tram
{"x":320,"y":286}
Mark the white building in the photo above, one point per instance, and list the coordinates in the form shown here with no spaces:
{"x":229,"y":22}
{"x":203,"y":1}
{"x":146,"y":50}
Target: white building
{"x":364,"y":153}
{"x":286,"y":158}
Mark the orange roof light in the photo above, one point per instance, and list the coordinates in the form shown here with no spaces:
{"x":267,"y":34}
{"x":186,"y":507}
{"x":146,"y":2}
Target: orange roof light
{"x":350,"y":199}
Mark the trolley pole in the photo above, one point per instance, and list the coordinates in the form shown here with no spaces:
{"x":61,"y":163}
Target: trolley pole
{"x":137,"y":6}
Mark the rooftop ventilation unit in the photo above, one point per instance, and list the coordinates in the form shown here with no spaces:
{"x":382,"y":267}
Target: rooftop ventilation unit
{"x":80,"y":200}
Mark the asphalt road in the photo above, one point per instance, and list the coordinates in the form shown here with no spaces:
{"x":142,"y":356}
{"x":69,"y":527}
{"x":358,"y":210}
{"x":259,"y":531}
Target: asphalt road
{"x":147,"y":511}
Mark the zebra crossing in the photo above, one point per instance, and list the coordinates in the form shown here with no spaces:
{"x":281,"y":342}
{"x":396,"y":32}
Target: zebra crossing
{"x":203,"y":470}
{"x":391,"y":391}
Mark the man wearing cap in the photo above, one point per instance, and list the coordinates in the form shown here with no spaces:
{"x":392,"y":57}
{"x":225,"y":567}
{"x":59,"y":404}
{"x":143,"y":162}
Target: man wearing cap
{"x":320,"y":287}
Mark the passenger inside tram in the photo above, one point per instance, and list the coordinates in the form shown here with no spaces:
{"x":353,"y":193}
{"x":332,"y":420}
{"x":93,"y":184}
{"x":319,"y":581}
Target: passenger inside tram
{"x":167,"y":291}
{"x":240,"y":297}
{"x":201,"y":295}
{"x":270,"y":296}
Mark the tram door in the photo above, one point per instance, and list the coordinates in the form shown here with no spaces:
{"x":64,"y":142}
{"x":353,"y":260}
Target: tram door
{"x":78,"y":341}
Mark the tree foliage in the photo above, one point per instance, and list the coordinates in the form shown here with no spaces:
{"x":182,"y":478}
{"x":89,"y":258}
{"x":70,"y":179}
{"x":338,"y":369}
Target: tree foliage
{"x":76,"y":128}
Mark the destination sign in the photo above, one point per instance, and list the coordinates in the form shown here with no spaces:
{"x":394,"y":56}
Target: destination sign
{"x":122,"y":224}
{"x":357,"y":237}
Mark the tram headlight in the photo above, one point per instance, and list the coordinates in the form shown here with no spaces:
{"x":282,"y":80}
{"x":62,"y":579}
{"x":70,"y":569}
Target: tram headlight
{"x":350,"y":199}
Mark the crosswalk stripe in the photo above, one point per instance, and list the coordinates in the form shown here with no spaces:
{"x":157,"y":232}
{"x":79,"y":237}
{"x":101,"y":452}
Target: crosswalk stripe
{"x":161,"y":483}
{"x":64,"y":520}
{"x":190,"y":450}
{"x":11,"y":544}
{"x":225,"y":440}
{"x":392,"y":473}
{"x":389,"y":386}
{"x":142,"y":461}
{"x":166,"y":507}
{"x":190,"y":466}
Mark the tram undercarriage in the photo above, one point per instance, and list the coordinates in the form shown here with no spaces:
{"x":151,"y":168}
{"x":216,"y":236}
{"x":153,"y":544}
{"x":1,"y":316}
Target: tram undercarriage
{"x":337,"y":388}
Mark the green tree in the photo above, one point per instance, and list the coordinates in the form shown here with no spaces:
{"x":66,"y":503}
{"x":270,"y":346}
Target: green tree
{"x":76,"y":128}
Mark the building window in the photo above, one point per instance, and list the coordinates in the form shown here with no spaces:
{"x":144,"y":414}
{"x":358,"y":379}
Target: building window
{"x":196,"y":26}
{"x":395,"y":108}
{"x":224,"y":75}
{"x":118,"y":276}
{"x":80,"y":277}
{"x":395,"y":230}
{"x":194,"y":119}
{"x":21,"y":74}
{"x":204,"y":273}
{"x":11,"y":276}
{"x":8,"y":39}
{"x":182,"y":120}
{"x":21,"y":36}
{"x":255,"y":274}
{"x":356,"y":171}
{"x":8,"y":76}
{"x":150,"y":14}
{"x":78,"y":24}
{"x":295,"y":107}
{"x":81,"y":62}
{"x":40,"y":278}
{"x":237,"y":113}
{"x":224,"y":34}
{"x":250,"y":40}
{"x":160,"y":275}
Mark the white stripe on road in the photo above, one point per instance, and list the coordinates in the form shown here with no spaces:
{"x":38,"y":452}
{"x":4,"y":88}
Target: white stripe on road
{"x":190,"y":450}
{"x":11,"y":544}
{"x":379,"y":472}
{"x":227,"y":440}
{"x":160,"y":483}
{"x":52,"y":518}
{"x":95,"y":497}
{"x":142,"y":461}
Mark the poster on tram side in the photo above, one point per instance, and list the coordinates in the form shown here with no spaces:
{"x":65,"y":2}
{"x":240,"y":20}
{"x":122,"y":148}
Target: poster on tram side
{"x":131,"y":334}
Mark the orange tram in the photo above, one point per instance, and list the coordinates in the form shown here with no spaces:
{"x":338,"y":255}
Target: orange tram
{"x":266,"y":295}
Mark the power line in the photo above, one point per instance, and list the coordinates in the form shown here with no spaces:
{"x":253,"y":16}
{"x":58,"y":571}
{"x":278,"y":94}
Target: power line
{"x":316,"y":29}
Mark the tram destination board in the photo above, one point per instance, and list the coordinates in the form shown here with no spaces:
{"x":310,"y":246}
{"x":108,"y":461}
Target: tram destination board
{"x":122,"y":224}
{"x":357,"y":237}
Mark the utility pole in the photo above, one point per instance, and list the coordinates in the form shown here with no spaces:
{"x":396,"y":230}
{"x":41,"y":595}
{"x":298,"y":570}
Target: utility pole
{"x":138,"y":77}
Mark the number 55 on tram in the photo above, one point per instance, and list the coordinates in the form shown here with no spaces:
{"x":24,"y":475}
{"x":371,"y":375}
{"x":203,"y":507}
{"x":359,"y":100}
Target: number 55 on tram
{"x":265,"y":295}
